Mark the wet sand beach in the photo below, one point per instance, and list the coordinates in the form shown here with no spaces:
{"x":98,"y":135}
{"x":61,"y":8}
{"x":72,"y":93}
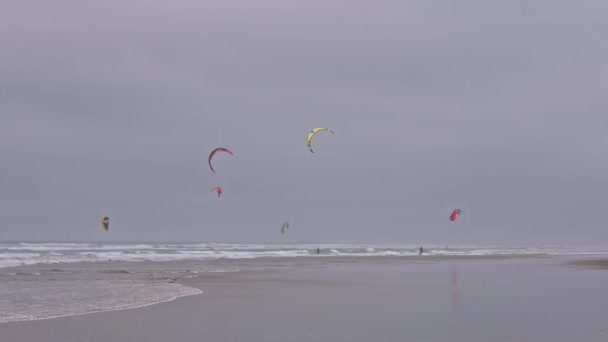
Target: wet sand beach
{"x":594,"y":263}
{"x":509,"y":299}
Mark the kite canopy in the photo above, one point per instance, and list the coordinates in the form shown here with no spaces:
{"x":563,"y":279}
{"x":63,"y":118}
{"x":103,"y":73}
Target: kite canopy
{"x":105,"y":223}
{"x":216,"y":151}
{"x":312,"y":133}
{"x":218,"y":190}
{"x":455,"y":214}
{"x":285,"y":227}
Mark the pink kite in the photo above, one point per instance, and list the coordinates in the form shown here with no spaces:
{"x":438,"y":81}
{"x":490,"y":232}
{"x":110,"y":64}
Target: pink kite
{"x":218,"y":190}
{"x":455,"y":214}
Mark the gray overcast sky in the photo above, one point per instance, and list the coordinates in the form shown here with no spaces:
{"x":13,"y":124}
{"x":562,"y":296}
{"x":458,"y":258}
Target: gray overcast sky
{"x":495,"y":107}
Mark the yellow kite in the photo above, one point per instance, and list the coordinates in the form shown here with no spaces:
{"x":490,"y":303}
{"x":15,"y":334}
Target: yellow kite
{"x":105,"y":223}
{"x":312,"y":133}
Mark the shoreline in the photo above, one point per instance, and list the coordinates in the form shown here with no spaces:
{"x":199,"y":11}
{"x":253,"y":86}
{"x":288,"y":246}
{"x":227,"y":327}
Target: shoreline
{"x":105,"y":310}
{"x":227,"y":267}
{"x":598,"y":263}
{"x":263,"y":264}
{"x":391,"y":299}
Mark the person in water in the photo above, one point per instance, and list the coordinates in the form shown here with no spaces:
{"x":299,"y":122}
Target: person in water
{"x":421,"y":250}
{"x":318,"y":251}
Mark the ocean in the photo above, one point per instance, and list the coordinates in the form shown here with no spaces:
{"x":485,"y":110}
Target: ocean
{"x":23,"y":253}
{"x":46,"y":280}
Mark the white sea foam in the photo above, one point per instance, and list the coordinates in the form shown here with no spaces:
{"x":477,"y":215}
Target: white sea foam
{"x":79,"y":290}
{"x":16,"y":254}
{"x":70,"y":298}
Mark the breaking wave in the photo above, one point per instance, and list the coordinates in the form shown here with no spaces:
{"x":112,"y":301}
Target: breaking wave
{"x":17,"y":254}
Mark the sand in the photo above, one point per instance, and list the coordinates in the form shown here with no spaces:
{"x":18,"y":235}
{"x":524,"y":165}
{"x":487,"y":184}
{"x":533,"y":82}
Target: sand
{"x":435,"y":300}
{"x":595,"y":263}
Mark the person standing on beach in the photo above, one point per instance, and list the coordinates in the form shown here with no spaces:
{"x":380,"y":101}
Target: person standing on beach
{"x":318,"y":251}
